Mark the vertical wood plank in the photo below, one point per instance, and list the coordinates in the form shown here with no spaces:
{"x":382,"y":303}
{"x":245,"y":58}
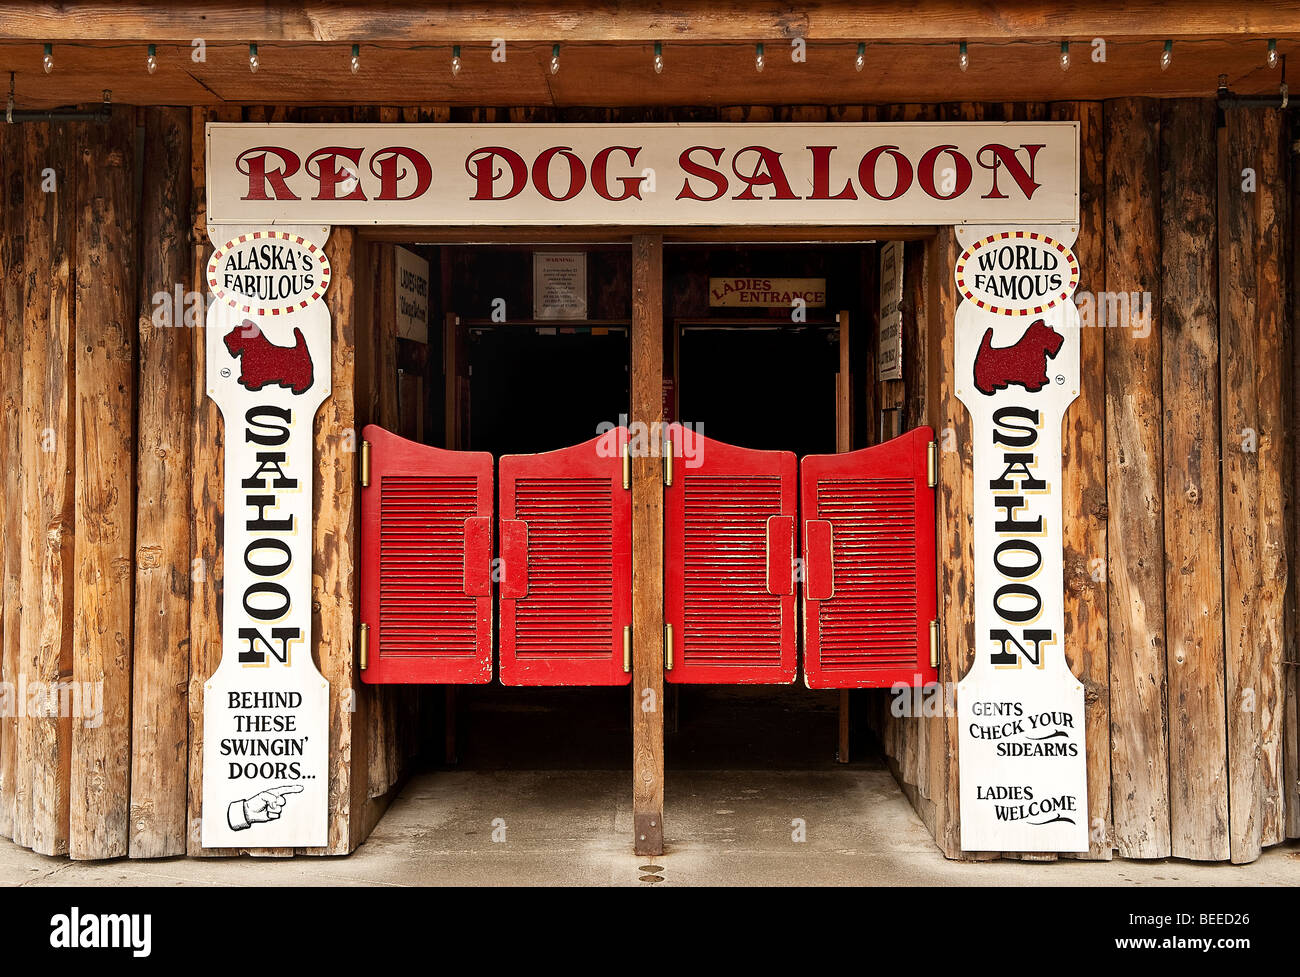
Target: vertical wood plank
{"x":1252,"y":300}
{"x":1134,"y":488}
{"x":159,"y":711}
{"x":335,"y":512}
{"x":1291,"y":650}
{"x":48,"y":440}
{"x":647,"y":548}
{"x":1189,"y":319}
{"x":207,"y":489}
{"x":1083,"y":485}
{"x":381,"y":769}
{"x":13,"y":231}
{"x":954,"y":508}
{"x":105,"y":477}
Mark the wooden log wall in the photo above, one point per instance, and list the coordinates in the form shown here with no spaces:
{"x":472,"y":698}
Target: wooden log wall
{"x":1182,"y":620}
{"x":1179,"y":444}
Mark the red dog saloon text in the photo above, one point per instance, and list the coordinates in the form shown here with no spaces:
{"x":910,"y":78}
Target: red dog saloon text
{"x":707,"y":173}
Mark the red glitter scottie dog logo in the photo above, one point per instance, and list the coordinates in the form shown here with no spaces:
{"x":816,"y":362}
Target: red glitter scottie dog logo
{"x":1023,"y":363}
{"x":261,"y":362}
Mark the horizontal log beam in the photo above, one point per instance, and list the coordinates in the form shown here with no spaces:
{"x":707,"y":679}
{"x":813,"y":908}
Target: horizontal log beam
{"x":625,"y":20}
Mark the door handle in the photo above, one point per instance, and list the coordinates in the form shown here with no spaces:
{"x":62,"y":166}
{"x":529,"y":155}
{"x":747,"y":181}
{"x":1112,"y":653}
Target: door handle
{"x":819,"y":569}
{"x":780,"y":555}
{"x":514,"y":558}
{"x":478,"y":557}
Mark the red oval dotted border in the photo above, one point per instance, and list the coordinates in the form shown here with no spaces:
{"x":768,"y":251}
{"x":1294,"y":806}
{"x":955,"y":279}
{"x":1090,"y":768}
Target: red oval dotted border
{"x":966,"y":255}
{"x":317,"y":252}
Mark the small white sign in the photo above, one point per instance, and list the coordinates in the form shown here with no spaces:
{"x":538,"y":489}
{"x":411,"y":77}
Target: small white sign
{"x":559,"y":285}
{"x":1022,"y":753}
{"x":266,"y":707}
{"x":412,"y":274}
{"x":891,"y":278}
{"x":889,"y":357}
{"x":889,"y":345}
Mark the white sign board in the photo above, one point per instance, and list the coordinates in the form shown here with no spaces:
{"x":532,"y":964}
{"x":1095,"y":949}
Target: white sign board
{"x":412,"y":291}
{"x":644,"y":174}
{"x":559,"y":285}
{"x":1022,"y":755}
{"x":889,"y":347}
{"x":266,"y":708}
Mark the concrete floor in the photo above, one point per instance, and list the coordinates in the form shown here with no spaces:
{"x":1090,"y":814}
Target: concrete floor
{"x":574,"y":828}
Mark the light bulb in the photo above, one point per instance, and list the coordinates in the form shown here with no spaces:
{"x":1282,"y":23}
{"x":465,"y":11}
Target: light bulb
{"x":151,"y":62}
{"x":555,"y":59}
{"x":1065,"y":55}
{"x":1167,"y":56}
{"x":860,"y":61}
{"x":356,"y":58}
{"x":758,"y":58}
{"x":1272,"y":52}
{"x":455,"y":59}
{"x":963,"y":59}
{"x":253,"y":62}
{"x":659,"y":58}
{"x":47,"y":61}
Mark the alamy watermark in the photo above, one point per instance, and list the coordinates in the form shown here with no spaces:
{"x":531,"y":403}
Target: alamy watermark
{"x":47,"y":700}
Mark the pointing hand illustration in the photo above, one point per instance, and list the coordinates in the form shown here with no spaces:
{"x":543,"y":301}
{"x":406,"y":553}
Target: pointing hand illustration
{"x":265,"y":805}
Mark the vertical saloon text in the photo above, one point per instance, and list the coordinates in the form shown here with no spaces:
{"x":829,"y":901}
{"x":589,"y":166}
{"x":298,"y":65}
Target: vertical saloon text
{"x":558,"y":173}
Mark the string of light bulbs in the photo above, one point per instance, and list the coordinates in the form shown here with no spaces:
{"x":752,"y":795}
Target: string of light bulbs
{"x":1272,"y":56}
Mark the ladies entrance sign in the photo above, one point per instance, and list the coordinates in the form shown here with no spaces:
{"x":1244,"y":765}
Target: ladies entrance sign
{"x":1023,"y":773}
{"x":266,"y":708}
{"x":651,"y":174}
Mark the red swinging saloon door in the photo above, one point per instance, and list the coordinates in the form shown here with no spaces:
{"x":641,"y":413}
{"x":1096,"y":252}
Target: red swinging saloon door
{"x":566,"y":565}
{"x":426,"y":562}
{"x":729,"y":562}
{"x":869,"y":559}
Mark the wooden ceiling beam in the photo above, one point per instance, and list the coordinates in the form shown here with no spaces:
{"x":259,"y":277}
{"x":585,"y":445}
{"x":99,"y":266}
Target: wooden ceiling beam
{"x":621,"y":75}
{"x":629,"y":20}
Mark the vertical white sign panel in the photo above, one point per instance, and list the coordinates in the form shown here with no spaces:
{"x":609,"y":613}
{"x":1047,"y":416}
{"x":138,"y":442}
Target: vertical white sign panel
{"x":266,"y":708}
{"x":1022,"y":756}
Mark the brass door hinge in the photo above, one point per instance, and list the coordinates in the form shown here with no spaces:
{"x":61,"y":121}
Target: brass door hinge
{"x":627,"y":647}
{"x":668,"y":463}
{"x":364,"y":647}
{"x":668,"y":646}
{"x":627,"y":468}
{"x":934,"y":644}
{"x":932,"y":464}
{"x":365,"y":464}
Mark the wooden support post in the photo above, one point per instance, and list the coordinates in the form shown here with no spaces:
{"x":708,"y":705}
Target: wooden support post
{"x":104,"y":466}
{"x":336,"y":508}
{"x":1083,"y":486}
{"x":954,"y":508}
{"x":160,"y":736}
{"x":48,"y":441}
{"x":12,"y":292}
{"x":1135,"y":483}
{"x":647,"y":367}
{"x":1252,"y":303}
{"x":1198,"y":756}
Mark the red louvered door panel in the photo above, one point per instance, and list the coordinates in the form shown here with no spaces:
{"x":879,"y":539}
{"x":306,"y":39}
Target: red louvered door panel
{"x":426,"y":563}
{"x":729,"y":562}
{"x":869,"y":586}
{"x":566,"y":574}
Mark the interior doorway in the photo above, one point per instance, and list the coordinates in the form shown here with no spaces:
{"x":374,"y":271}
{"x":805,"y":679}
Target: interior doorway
{"x":505,"y":374}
